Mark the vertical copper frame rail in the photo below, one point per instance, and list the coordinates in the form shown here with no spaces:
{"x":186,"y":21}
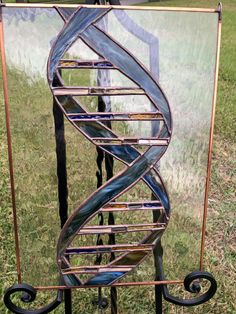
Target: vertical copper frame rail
{"x":207,"y":184}
{"x":9,"y":146}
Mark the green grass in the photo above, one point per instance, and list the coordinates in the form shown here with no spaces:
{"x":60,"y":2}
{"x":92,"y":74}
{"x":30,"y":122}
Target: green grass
{"x":220,"y":237}
{"x":226,"y":109}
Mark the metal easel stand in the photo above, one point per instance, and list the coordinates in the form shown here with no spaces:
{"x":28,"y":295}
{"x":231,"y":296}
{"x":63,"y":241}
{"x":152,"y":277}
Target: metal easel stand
{"x":191,"y":284}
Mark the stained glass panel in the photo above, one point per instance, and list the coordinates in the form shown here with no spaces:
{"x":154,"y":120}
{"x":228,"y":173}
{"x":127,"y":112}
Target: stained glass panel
{"x":147,"y":62}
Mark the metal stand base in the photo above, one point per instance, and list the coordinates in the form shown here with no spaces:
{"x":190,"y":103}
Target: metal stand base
{"x":29,"y":294}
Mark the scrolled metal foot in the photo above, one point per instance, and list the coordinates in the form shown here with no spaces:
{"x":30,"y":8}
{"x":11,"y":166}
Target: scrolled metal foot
{"x":29,"y":295}
{"x":196,"y":286}
{"x":191,"y":284}
{"x":101,"y":303}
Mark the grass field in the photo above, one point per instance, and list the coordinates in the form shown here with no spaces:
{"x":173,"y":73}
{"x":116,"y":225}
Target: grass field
{"x":221,"y":232}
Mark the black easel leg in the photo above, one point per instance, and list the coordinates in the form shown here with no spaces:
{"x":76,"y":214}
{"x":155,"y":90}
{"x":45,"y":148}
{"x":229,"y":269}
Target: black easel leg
{"x":157,"y":253}
{"x":158,"y":288}
{"x":68,"y":301}
{"x":158,"y":299}
{"x":62,"y":177}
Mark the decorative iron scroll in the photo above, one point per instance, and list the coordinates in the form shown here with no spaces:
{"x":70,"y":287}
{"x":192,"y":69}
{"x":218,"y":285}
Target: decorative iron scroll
{"x":28,"y":296}
{"x":83,"y":24}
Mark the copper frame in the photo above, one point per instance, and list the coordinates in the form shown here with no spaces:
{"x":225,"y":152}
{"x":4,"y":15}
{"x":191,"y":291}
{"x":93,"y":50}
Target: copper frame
{"x":11,"y":170}
{"x":117,"y":284}
{"x":9,"y":145}
{"x":48,"y":5}
{"x":210,"y":149}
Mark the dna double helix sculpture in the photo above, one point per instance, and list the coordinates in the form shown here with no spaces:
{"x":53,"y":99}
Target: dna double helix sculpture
{"x":139,"y":164}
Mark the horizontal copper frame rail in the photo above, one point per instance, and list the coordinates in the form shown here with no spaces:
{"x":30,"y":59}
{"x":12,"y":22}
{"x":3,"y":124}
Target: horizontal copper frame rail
{"x":175,"y":9}
{"x":118,"y":284}
{"x":120,"y":7}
